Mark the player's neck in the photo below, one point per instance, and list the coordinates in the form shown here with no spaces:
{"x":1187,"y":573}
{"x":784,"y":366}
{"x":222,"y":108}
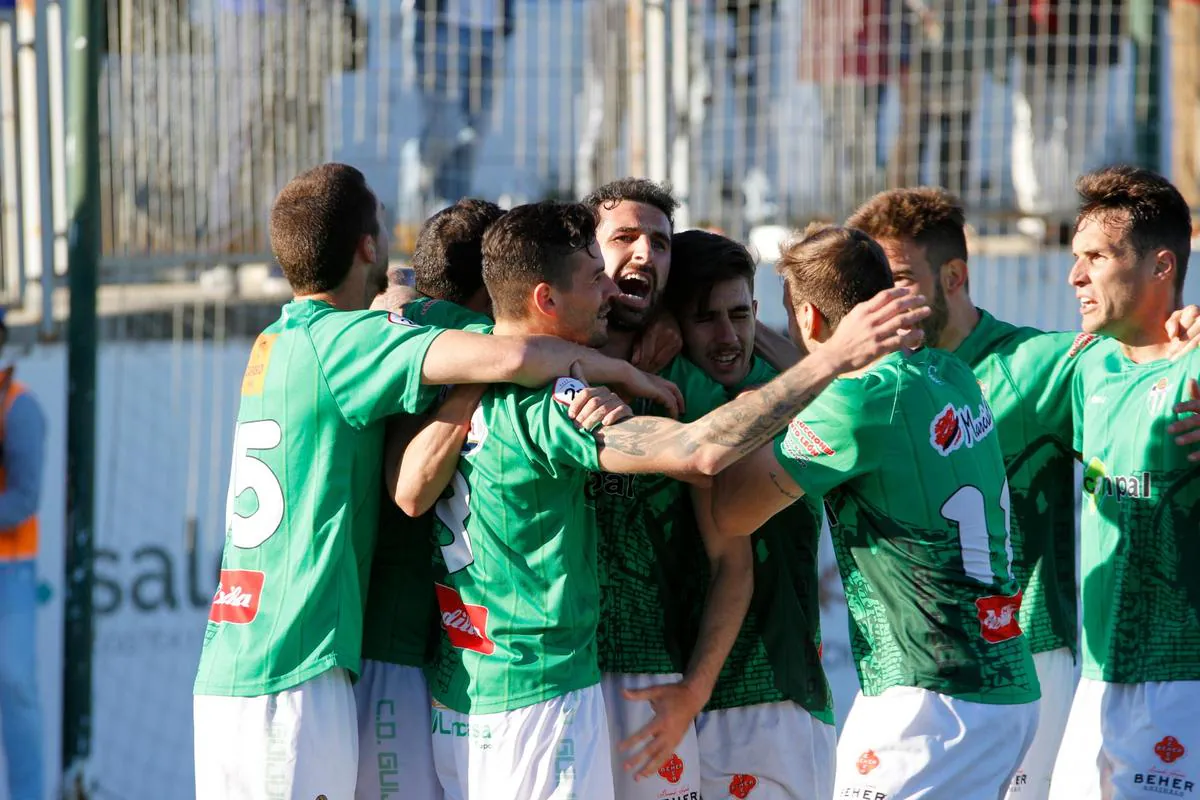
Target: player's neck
{"x":1146,"y":343}
{"x":959,"y":325}
{"x":620,"y":344}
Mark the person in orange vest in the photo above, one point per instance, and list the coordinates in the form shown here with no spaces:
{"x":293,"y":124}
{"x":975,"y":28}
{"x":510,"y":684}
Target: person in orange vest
{"x":22,"y":446}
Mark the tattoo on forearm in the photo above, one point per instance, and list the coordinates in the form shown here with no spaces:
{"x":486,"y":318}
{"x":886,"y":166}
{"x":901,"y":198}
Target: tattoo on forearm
{"x":775,"y":480}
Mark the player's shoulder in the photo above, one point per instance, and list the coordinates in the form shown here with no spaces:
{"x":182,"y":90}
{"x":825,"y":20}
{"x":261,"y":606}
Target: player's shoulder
{"x":444,"y":314}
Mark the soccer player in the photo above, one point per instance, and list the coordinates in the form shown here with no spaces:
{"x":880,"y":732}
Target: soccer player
{"x":767,"y":730}
{"x":652,"y":690}
{"x":274,"y":711}
{"x":1134,"y":727}
{"x":400,"y":623}
{"x":906,"y":457}
{"x":517,"y":538}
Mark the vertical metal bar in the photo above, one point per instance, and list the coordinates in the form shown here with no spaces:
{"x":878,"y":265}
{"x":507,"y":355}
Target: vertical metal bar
{"x":635,"y":27}
{"x":32,"y":145}
{"x":656,"y":89}
{"x":10,"y":175}
{"x":681,"y":87}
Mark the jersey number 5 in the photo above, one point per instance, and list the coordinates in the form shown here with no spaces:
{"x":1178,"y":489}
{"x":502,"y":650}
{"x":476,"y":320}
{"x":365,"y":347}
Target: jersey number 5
{"x":452,"y":511}
{"x":252,"y":473}
{"x":967,"y":510}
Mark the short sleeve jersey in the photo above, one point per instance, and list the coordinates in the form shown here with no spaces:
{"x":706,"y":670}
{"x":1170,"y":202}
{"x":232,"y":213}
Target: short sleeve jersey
{"x":400,"y":626}
{"x":303,"y":501}
{"x":1140,"y":552}
{"x":1026,"y":378}
{"x":906,"y":455}
{"x":777,"y":655}
{"x":643,"y":521}
{"x":515,"y":563}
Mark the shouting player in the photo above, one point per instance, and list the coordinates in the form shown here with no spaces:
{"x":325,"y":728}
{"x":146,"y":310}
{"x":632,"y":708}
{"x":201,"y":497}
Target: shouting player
{"x":1134,"y":729}
{"x":652,"y":691}
{"x":768,"y":727}
{"x":519,"y":598}
{"x":906,"y":457}
{"x":274,"y":710}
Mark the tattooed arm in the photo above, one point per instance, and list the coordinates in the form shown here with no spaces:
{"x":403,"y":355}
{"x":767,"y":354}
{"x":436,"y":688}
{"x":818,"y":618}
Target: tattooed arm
{"x":871,"y":330}
{"x":751,"y":492}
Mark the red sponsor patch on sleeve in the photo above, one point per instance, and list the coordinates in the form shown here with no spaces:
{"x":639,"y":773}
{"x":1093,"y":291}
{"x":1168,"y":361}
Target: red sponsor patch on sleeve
{"x":238,"y":596}
{"x":808,"y":438}
{"x":465,"y":624}
{"x":998,"y":617}
{"x":1081,"y":342}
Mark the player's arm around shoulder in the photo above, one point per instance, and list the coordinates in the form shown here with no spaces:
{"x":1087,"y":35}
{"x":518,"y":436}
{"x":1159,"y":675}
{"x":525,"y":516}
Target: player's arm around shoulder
{"x":750,"y":492}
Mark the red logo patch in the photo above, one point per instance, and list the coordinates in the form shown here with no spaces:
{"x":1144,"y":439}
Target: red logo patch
{"x":1170,"y":750}
{"x":742,"y":785}
{"x":945,"y":432}
{"x":867,"y":762}
{"x":672,"y":771}
{"x":465,"y":624}
{"x":998,"y":617}
{"x":807,"y":437}
{"x":1081,"y":341}
{"x":236,"y":600}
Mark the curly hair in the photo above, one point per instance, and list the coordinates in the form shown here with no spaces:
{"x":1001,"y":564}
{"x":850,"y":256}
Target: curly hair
{"x":636,"y":190}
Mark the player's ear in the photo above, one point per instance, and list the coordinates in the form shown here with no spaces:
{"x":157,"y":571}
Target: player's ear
{"x":1164,"y":265}
{"x":754,"y":308}
{"x":543,"y":300}
{"x":368,"y":249}
{"x":953,"y":275}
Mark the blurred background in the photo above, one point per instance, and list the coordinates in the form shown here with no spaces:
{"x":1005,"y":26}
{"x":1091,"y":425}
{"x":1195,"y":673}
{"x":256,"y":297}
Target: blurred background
{"x":762,"y":115}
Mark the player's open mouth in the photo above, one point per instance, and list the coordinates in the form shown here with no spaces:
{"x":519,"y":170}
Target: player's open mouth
{"x":1086,"y":305}
{"x":726,"y":359}
{"x":636,"y":288}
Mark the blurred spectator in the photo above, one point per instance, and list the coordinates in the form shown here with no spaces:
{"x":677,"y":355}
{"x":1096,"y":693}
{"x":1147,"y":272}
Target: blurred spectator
{"x":1185,"y":100}
{"x":22,"y":448}
{"x":457,"y":44}
{"x":939,"y":93}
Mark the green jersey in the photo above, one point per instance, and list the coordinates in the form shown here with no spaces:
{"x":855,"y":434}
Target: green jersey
{"x":444,"y":314}
{"x":304,"y":494}
{"x":644,"y":520}
{"x":777,"y":655}
{"x":1026,"y":378}
{"x":516,"y":560}
{"x":1139,"y":548}
{"x":400,"y":626}
{"x":908,"y":460}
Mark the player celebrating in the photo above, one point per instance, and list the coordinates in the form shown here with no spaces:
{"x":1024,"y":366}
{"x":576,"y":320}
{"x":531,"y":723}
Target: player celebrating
{"x":1133,"y":725}
{"x":652,"y":691}
{"x":768,"y":726}
{"x":906,"y":456}
{"x":274,"y":711}
{"x":400,"y":624}
{"x":518,"y":539}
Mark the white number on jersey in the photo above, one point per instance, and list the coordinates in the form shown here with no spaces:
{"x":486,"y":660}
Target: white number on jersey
{"x":252,"y":473}
{"x":453,"y":511}
{"x":965,"y":508}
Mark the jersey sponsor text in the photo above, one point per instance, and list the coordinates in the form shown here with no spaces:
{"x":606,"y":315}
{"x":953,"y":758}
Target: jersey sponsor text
{"x":237,"y":597}
{"x":465,"y":624}
{"x":954,"y":427}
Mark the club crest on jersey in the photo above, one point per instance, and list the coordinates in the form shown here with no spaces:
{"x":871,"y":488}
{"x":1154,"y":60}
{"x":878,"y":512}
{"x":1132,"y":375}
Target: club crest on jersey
{"x":740,"y":786}
{"x":1081,"y":342}
{"x":476,"y":434}
{"x":1157,"y":400}
{"x":400,"y":319}
{"x":237,"y":597}
{"x":802,"y":442}
{"x":465,"y":624}
{"x":672,"y":770}
{"x":867,"y":762}
{"x":998,"y":617}
{"x":954,"y":427}
{"x":565,"y":390}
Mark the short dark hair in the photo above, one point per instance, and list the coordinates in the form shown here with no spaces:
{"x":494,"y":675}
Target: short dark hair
{"x":447,"y":261}
{"x":835,"y":269}
{"x":1149,"y":209}
{"x":530,"y":245}
{"x":701,"y":260}
{"x":317,"y":222}
{"x":930,"y":217}
{"x":635,"y":190}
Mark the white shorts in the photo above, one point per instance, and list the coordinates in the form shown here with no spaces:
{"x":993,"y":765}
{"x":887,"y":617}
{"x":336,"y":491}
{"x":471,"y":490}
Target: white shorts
{"x":451,"y":734}
{"x":778,"y":751}
{"x":395,"y":753}
{"x":300,"y":743}
{"x":679,"y":778}
{"x":1056,"y":673}
{"x":909,"y":743}
{"x":553,"y":750}
{"x":1130,"y":741}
